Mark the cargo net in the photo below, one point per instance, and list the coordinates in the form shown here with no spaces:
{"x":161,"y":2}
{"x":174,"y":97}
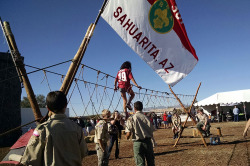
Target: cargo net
{"x":93,"y":90}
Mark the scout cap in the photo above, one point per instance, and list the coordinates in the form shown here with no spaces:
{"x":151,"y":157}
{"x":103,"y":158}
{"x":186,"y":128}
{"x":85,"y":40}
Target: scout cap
{"x":200,"y":109}
{"x":105,"y":112}
{"x":175,"y":111}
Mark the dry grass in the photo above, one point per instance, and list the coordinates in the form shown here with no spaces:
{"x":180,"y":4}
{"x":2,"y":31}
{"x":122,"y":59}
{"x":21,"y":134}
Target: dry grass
{"x":234,"y":149}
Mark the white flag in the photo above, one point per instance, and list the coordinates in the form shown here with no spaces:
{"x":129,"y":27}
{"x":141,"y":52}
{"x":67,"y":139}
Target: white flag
{"x":155,"y":31}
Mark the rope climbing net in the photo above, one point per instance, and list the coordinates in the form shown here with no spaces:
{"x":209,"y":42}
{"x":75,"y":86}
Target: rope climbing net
{"x":93,"y":90}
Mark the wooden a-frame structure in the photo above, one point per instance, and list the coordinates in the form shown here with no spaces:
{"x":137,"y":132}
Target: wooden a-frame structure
{"x":189,"y":114}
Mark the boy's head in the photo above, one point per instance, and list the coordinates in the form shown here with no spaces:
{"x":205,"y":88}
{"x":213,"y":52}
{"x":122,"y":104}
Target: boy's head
{"x":175,"y":112}
{"x":138,"y":106}
{"x":116,"y":114}
{"x":56,"y":102}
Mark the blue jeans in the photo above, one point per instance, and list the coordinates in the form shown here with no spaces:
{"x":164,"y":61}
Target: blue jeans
{"x":155,"y":123}
{"x":236,"y":117}
{"x":113,"y":139}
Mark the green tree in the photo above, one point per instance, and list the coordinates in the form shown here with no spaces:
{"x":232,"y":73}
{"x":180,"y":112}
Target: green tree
{"x":25,"y":103}
{"x":39,"y":98}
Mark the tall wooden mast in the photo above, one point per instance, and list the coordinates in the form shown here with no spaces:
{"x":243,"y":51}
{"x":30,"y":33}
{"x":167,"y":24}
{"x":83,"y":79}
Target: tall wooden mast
{"x":79,"y":55}
{"x":18,"y":62}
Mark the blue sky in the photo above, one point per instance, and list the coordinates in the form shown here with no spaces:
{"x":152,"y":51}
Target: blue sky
{"x":49,"y":32}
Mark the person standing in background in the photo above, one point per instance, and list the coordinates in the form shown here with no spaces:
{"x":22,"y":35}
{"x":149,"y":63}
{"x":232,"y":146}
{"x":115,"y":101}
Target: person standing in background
{"x":236,"y":112}
{"x":101,"y":139}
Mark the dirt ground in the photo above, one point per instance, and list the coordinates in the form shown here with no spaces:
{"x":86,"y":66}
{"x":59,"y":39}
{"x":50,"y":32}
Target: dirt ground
{"x":233,"y":150}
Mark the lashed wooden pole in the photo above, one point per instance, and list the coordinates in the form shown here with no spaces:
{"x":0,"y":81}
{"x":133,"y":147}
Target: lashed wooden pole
{"x":22,"y":71}
{"x":189,"y":114}
{"x":76,"y":61}
{"x":67,"y":82}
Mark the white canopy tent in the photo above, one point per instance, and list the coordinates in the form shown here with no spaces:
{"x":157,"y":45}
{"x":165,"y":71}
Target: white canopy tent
{"x":225,"y":100}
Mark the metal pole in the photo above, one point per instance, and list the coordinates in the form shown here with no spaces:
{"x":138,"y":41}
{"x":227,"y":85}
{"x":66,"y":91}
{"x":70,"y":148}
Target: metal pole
{"x":100,"y":11}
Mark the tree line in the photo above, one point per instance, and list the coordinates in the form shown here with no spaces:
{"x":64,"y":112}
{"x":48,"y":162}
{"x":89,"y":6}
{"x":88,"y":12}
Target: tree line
{"x":39,"y":98}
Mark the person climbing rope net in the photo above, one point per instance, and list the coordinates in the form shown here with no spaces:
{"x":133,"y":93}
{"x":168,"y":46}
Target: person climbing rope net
{"x":123,"y":78}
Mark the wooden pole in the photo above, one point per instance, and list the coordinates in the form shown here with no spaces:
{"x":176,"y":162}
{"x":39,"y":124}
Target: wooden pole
{"x":22,"y":71}
{"x":11,"y":52}
{"x":189,"y":112}
{"x":19,"y":127}
{"x":181,"y":103}
{"x":244,"y":107}
{"x":189,"y":115}
{"x":79,"y":55}
{"x":76,"y":61}
{"x":217,"y":112}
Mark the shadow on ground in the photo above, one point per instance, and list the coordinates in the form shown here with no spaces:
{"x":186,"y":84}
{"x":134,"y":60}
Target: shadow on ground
{"x":169,"y":152}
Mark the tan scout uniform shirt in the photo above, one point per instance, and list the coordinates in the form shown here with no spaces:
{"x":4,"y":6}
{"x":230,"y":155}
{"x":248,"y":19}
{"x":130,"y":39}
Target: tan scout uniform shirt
{"x":140,"y":126}
{"x":56,"y":142}
{"x":101,"y":131}
{"x":203,"y":118}
{"x":176,"y":120}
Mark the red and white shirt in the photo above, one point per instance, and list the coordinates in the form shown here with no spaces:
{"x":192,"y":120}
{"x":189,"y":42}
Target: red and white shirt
{"x":123,"y":77}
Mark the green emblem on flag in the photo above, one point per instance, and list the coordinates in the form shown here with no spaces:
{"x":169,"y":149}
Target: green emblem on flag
{"x":160,"y":17}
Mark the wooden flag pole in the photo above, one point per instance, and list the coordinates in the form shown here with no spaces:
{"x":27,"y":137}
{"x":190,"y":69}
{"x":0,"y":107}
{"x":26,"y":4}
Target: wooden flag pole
{"x":67,"y":82}
{"x":189,"y":115}
{"x":21,"y":70}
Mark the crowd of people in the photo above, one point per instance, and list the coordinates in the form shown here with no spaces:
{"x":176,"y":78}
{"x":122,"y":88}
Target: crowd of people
{"x":61,"y":141}
{"x":53,"y":140}
{"x":139,"y":127}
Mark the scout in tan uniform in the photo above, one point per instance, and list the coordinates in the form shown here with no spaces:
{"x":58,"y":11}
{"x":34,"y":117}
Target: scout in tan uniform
{"x":58,"y":141}
{"x":176,"y":120}
{"x":203,"y":125}
{"x":141,"y":129}
{"x":101,"y":139}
